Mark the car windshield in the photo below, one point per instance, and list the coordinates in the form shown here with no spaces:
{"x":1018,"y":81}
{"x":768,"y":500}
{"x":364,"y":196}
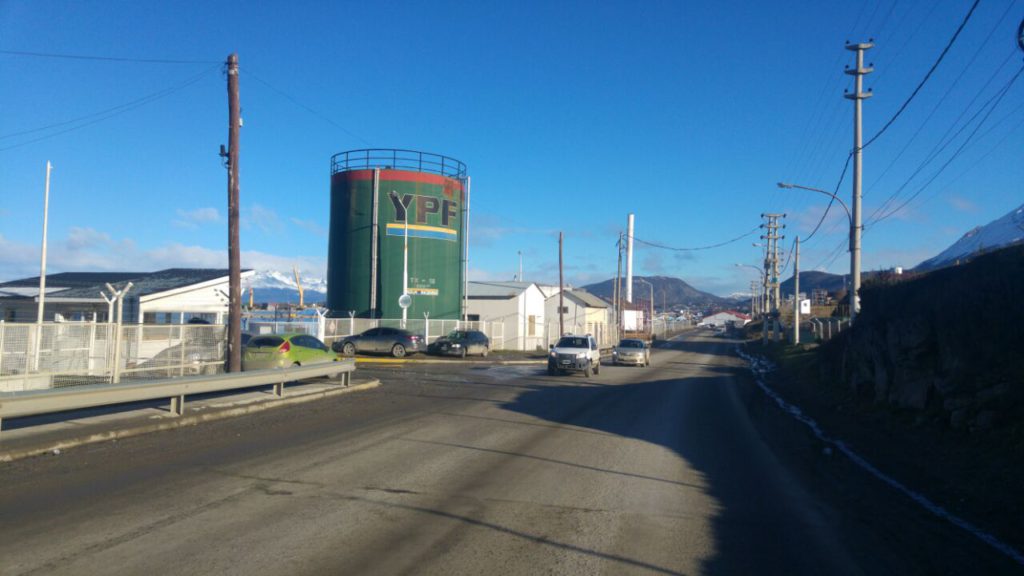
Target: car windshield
{"x":572,"y":342}
{"x":456,"y":335}
{"x":631,"y":344}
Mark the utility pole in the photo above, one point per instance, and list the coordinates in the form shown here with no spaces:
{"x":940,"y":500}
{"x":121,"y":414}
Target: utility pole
{"x":796,"y":293}
{"x":42,"y":267}
{"x":771,"y":266}
{"x":234,"y":258}
{"x":617,"y":299}
{"x":858,"y":95}
{"x":753,"y":298}
{"x":561,"y":290}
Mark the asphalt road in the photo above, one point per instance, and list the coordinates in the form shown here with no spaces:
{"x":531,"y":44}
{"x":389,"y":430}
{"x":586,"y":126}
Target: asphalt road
{"x":680,"y":468}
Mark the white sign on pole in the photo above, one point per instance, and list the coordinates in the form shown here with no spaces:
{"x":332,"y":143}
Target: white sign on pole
{"x":805,"y":306}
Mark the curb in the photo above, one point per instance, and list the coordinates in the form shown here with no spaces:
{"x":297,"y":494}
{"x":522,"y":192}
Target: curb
{"x":172,"y":422}
{"x":442,"y":361}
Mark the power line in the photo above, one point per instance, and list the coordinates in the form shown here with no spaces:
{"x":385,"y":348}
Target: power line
{"x":955,"y":154}
{"x":926,"y":76}
{"x":832,"y":200}
{"x":719,"y":245}
{"x":107,"y":114}
{"x":293,"y":100}
{"x":944,"y":143}
{"x":105,"y":58}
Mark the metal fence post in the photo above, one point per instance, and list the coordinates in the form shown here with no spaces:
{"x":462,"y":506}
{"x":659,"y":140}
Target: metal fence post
{"x":2,"y":328}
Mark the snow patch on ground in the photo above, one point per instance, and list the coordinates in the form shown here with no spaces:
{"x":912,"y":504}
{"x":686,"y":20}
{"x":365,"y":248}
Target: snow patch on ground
{"x":760,"y":367}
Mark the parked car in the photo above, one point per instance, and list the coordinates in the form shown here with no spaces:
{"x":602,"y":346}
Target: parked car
{"x":575,"y":354}
{"x":284,"y":350}
{"x":394,"y":341}
{"x":631,"y":351}
{"x":461,"y":343}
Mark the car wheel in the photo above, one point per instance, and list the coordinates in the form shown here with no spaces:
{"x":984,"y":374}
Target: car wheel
{"x":587,"y":371}
{"x":551,"y":370}
{"x":349,"y":349}
{"x":597,"y":367}
{"x":484,"y":354}
{"x":398,"y":351}
{"x":462,"y":352}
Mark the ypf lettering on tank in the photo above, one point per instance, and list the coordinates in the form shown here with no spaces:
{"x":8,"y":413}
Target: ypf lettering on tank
{"x":425,"y":205}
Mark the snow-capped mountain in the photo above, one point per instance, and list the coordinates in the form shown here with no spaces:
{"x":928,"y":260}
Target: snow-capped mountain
{"x":274,"y":279}
{"x":996,"y":234}
{"x":275,"y":286}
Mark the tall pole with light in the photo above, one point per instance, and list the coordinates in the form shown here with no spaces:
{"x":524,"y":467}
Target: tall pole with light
{"x":42,"y":266}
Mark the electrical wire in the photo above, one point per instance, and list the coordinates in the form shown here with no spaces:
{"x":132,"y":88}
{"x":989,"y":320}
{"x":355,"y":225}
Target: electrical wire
{"x":97,"y":117}
{"x":955,"y":154}
{"x":105,"y":58}
{"x":926,"y":77}
{"x":719,"y":245}
{"x":293,"y":100}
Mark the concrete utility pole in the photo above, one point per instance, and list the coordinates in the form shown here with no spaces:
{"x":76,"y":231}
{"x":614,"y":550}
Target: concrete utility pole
{"x":629,"y":259}
{"x":771,"y":265}
{"x":796,"y":293}
{"x":858,"y":95}
{"x":561,"y":291}
{"x":234,"y":257}
{"x":42,"y":267}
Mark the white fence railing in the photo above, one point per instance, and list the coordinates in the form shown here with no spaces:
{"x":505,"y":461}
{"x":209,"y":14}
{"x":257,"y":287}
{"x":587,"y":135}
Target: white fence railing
{"x":57,"y":355}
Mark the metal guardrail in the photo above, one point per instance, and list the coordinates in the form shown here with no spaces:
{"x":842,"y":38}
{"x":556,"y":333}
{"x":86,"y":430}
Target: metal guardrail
{"x":18,"y":404}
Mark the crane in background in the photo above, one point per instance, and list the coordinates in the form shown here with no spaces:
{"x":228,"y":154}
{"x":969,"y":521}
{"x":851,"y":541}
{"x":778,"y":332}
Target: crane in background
{"x":298,"y":284}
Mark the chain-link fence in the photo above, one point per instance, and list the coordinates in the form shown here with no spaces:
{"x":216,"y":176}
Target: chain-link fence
{"x":57,"y":355}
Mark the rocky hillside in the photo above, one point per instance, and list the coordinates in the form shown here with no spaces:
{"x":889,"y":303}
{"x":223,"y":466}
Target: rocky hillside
{"x":947,"y":343}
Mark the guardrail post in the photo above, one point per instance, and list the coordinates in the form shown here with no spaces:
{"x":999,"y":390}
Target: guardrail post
{"x":279,"y":389}
{"x":1,"y":345}
{"x":178,"y":405}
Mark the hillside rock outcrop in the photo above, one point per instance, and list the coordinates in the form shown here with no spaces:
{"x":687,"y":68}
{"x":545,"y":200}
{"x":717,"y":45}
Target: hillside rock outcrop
{"x":949,"y":342}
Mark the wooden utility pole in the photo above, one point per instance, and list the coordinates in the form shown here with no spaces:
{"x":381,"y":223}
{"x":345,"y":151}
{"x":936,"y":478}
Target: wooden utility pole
{"x":561,"y":290}
{"x":234,"y":257}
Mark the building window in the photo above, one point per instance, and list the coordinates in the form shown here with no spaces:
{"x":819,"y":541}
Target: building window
{"x":531,"y":325}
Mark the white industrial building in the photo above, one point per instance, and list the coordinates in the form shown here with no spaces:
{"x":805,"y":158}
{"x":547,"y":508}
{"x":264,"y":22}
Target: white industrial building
{"x":171,"y":296}
{"x":519,"y":306}
{"x":721,"y":319}
{"x":582,"y":313}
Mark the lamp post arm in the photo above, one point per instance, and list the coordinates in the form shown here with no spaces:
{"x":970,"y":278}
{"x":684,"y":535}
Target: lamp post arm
{"x":849,"y":215}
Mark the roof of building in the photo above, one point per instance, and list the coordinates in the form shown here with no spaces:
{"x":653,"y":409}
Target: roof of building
{"x":90,"y":284}
{"x":589,"y":300}
{"x":497,"y":289}
{"x":740,"y":315}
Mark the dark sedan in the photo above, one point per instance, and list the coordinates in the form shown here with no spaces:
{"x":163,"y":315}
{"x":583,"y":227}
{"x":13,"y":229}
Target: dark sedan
{"x":461,"y":343}
{"x":394,"y":341}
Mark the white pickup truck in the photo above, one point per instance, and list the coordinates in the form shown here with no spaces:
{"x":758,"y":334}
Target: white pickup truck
{"x":575,"y":354}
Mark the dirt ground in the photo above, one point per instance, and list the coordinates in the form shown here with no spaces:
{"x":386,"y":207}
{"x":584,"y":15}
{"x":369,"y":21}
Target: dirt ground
{"x":976,"y":475}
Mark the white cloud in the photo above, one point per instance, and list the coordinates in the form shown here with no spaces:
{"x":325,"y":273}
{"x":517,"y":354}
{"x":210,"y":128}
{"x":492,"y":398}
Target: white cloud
{"x":263,"y":218}
{"x":88,"y":250}
{"x":193,"y":218}
{"x":310,"y":226}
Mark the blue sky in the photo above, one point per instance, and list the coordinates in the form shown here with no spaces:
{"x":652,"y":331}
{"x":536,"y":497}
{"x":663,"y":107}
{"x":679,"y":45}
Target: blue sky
{"x":569,"y":116}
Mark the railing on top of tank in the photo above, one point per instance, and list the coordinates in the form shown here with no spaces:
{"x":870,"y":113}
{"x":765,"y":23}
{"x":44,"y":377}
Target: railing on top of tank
{"x":397,"y":159}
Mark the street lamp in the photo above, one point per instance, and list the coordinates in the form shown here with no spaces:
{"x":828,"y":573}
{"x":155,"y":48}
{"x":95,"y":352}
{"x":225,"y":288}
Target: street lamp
{"x":854,"y":241}
{"x":764,"y":283}
{"x":651,"y":286}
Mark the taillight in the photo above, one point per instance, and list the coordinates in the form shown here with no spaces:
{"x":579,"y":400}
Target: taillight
{"x":286,"y":347}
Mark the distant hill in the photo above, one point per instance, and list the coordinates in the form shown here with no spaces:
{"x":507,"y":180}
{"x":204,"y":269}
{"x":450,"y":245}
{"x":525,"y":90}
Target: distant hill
{"x":1005,"y":231}
{"x":669,"y":292}
{"x":813,"y":280}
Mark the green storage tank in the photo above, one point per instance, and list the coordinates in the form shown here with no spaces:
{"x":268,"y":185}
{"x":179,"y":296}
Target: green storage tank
{"x":379,"y":199}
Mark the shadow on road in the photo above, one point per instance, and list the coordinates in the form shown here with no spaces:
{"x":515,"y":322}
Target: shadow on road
{"x":761,"y":525}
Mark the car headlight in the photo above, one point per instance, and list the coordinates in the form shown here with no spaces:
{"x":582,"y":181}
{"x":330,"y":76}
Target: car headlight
{"x":553,"y":354}
{"x":581,"y":355}
{"x":615,"y":352}
{"x":456,"y":345}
